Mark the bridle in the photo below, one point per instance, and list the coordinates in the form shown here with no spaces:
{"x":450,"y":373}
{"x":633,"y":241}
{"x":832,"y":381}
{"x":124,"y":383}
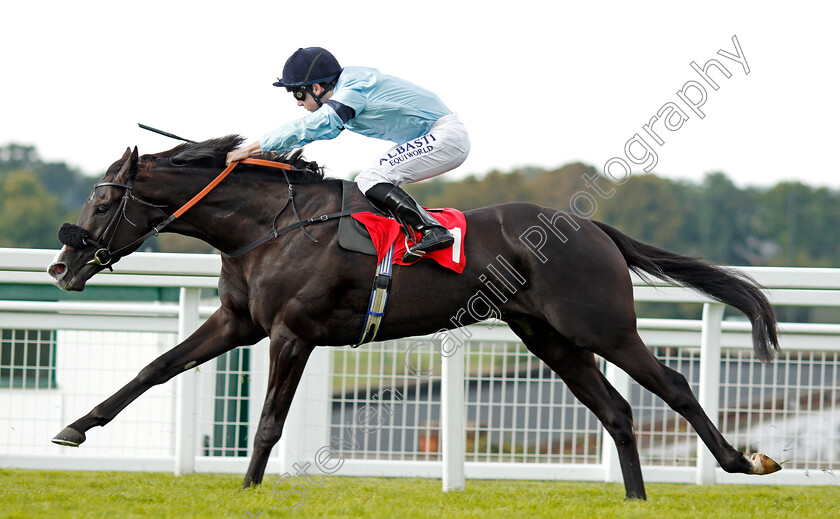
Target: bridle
{"x":104,"y":256}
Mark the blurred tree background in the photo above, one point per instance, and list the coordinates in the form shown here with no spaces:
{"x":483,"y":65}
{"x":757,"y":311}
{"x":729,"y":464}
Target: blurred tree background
{"x":36,"y":197}
{"x":789,"y":224}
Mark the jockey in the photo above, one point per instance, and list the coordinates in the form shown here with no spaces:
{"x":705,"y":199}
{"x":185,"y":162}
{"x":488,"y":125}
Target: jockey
{"x":430,"y":139}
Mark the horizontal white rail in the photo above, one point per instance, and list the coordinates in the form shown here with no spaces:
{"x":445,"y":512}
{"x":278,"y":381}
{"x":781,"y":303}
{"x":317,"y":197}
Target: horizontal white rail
{"x":172,"y":265}
{"x":708,"y":337}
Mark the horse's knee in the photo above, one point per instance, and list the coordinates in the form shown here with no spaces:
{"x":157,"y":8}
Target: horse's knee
{"x":157,"y":372}
{"x":619,"y":423}
{"x":621,"y":433}
{"x":682,"y":398}
{"x":153,"y":374}
{"x":267,"y":437}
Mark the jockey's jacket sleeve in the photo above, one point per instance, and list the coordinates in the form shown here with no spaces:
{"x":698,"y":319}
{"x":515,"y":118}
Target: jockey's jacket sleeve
{"x":367,"y":102}
{"x":322,"y":124}
{"x":344,"y":112}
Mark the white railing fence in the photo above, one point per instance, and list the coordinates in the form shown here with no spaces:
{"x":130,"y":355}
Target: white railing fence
{"x":398,"y":408}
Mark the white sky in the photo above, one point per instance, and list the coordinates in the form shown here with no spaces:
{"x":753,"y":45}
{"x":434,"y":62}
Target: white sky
{"x":536,"y":82}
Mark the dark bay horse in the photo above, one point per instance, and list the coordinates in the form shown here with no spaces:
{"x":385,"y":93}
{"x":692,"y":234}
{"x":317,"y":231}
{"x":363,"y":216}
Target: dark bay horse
{"x":572,"y":298}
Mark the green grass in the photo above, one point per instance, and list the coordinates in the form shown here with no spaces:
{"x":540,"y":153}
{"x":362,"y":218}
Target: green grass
{"x":113,"y":495}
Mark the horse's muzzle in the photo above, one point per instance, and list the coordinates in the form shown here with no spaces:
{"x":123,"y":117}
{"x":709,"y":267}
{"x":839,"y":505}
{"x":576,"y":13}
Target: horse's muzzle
{"x":64,"y":274}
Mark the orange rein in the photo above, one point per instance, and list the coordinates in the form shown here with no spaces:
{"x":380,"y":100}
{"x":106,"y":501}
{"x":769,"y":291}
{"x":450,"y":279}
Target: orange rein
{"x":215,"y":182}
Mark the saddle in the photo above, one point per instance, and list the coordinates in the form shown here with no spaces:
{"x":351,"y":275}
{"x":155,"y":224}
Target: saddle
{"x":370,"y":231}
{"x":352,"y":234}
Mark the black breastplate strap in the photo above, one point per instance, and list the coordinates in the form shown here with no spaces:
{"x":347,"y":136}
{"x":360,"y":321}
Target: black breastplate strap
{"x":297,"y":225}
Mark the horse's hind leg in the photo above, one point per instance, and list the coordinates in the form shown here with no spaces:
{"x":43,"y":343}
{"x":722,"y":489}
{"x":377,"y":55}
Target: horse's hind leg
{"x":288,"y":360}
{"x":631,"y":355}
{"x":579,"y":371}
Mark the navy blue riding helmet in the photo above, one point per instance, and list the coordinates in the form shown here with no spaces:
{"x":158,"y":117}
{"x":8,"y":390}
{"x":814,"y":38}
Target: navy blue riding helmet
{"x":305,"y":68}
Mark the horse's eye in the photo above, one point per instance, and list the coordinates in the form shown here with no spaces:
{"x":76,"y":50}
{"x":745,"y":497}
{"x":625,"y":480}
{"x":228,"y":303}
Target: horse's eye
{"x":101,"y":209}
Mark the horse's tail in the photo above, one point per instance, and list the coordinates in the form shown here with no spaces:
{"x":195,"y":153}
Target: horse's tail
{"x":721,"y":284}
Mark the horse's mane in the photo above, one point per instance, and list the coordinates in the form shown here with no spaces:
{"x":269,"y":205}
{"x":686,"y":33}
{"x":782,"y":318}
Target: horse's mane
{"x":213,"y":152}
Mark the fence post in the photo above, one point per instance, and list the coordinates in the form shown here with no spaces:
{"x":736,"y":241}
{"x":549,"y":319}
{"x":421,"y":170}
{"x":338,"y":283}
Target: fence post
{"x":259,"y":385}
{"x":710,"y":333}
{"x":452,"y":408}
{"x":185,"y":442}
{"x":315,"y":427}
{"x":307,"y":427}
{"x":291,"y":440}
{"x":609,"y":453}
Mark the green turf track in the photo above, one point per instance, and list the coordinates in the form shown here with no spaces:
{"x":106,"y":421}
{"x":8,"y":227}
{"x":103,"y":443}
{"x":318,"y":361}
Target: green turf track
{"x":117,"y":495}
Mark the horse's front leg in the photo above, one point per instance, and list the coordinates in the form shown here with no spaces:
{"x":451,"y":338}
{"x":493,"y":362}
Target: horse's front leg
{"x":288,"y":359}
{"x":222,"y":332}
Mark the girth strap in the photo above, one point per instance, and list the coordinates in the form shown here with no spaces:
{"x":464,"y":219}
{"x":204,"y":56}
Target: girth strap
{"x":378,"y":299}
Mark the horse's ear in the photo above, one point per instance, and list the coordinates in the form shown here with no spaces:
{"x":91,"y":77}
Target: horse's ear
{"x":128,"y":167}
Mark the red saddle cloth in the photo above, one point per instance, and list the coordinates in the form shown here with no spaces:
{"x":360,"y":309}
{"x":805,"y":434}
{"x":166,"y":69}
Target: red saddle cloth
{"x":386,"y":231}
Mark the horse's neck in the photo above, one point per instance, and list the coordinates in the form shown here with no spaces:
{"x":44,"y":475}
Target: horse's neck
{"x":237,"y":213}
{"x":311,"y":199}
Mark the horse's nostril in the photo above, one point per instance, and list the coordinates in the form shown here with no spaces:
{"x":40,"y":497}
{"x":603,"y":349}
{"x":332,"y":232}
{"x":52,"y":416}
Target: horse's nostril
{"x":57,"y":269}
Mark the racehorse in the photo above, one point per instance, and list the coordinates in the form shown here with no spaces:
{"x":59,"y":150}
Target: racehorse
{"x":573,"y":298}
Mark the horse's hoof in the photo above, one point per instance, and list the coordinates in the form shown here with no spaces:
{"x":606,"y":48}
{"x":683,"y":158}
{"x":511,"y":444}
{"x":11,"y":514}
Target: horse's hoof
{"x":763,"y":465}
{"x":69,"y":438}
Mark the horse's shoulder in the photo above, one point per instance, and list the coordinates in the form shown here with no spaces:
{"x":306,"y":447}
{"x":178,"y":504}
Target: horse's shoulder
{"x":233,"y":287}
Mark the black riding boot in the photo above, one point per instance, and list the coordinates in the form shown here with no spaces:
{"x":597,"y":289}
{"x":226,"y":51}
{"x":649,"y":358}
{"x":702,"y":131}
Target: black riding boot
{"x":434,"y":235}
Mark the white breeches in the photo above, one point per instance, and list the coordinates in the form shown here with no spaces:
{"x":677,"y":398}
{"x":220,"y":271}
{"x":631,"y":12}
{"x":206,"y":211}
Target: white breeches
{"x":444,"y":148}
